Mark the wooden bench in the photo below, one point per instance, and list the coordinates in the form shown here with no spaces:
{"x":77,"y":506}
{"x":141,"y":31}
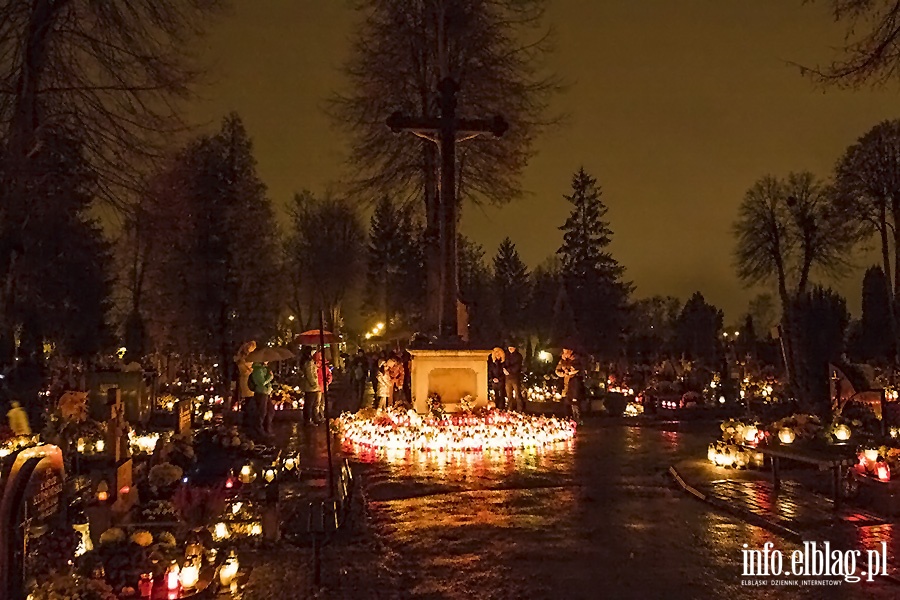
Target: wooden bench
{"x":835,"y":459}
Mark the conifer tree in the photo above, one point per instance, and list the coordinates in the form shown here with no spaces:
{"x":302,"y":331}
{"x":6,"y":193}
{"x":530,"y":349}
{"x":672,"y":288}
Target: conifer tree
{"x":875,"y":324}
{"x":593,"y":278}
{"x":511,"y":286}
{"x":394,"y":282}
{"x":697,"y":330}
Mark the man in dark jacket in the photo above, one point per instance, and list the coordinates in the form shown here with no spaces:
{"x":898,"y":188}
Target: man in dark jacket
{"x":512,"y":370}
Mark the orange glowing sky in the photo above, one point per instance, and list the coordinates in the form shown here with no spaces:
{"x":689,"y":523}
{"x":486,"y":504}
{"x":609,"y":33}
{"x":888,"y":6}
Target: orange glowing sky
{"x":675,"y":106}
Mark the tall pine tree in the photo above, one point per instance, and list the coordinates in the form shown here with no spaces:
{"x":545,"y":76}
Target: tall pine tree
{"x":395,"y":279}
{"x":475,"y":290}
{"x":593,"y":278}
{"x":697,"y":330}
{"x":875,"y":341}
{"x":511,"y":286}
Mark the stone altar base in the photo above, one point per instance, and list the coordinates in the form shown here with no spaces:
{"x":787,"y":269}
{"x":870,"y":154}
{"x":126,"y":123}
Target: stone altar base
{"x":451,"y":373}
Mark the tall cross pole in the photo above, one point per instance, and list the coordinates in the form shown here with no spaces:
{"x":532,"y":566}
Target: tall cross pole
{"x":447,"y":130}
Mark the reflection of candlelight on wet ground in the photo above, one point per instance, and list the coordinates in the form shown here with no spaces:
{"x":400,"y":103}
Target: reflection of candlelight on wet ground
{"x":397,"y":432}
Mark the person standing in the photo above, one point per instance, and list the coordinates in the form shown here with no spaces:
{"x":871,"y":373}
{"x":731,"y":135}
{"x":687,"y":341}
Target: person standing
{"x":18,"y":419}
{"x":260,"y":382}
{"x":358,"y":374}
{"x":323,"y":379}
{"x":244,"y":367}
{"x":309,"y":385}
{"x":572,"y":372}
{"x":406,"y":362}
{"x":497,"y":378}
{"x":512,"y":370}
{"x":384,"y":387}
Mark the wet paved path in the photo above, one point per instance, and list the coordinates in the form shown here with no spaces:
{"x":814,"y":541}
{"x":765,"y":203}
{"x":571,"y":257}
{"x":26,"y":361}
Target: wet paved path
{"x":599,"y":519}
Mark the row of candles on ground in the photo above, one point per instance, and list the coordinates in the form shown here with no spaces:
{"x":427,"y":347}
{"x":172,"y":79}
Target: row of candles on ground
{"x":290,"y":463}
{"x":180,"y":580}
{"x":724,"y":454}
{"x":497,"y":431}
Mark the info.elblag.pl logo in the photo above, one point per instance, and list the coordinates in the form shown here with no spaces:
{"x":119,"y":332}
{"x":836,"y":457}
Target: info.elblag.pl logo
{"x":813,"y":560}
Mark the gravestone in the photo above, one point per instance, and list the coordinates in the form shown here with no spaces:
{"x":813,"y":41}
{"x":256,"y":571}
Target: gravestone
{"x":116,"y":426}
{"x":136,"y":394}
{"x":183,"y":413}
{"x":125,"y":490}
{"x":32,"y":498}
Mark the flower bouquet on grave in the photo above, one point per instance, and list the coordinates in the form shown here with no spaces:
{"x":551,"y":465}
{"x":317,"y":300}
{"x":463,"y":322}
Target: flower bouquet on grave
{"x":799,"y":427}
{"x":158,"y":511}
{"x":50,"y":553}
{"x":198,"y":506}
{"x":164,"y":479}
{"x":467,"y":403}
{"x":117,"y":559}
{"x":177,"y":449}
{"x":72,"y":587}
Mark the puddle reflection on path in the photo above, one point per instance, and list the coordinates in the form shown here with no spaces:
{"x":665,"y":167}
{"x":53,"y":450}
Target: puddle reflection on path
{"x":594,"y":519}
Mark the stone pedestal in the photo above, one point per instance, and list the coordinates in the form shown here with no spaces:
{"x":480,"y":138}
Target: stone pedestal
{"x":451,"y":373}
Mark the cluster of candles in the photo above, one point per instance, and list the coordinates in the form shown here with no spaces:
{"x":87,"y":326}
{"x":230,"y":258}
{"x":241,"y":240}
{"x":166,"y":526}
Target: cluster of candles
{"x":537,"y":393}
{"x":144,"y":442}
{"x":178,"y":580}
{"x":724,"y":454}
{"x":397,"y":430}
{"x":633,"y":409}
{"x":614,"y":388}
{"x":89,"y":446}
{"x":872,"y":463}
{"x":739,"y":451}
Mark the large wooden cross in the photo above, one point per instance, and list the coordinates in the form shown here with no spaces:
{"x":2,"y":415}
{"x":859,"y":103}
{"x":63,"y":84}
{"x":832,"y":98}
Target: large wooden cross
{"x":447,"y":130}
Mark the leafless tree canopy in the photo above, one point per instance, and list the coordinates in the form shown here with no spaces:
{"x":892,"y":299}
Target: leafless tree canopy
{"x":871,"y":47}
{"x":494,"y":50}
{"x":867,"y":179}
{"x":788,"y":227}
{"x":114,"y":70}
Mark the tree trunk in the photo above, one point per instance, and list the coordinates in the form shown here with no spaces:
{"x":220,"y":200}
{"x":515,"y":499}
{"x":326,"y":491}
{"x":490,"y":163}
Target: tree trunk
{"x":886,"y":260}
{"x":22,"y":141}
{"x":432,"y":252}
{"x":885,"y":249}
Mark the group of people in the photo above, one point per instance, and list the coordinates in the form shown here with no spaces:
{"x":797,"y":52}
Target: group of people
{"x":505,"y":376}
{"x":388,"y":374}
{"x":256,"y":383}
{"x":571,"y":368}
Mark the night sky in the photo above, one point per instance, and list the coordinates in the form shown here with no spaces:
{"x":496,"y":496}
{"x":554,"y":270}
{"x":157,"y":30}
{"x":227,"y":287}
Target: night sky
{"x":676,"y":108}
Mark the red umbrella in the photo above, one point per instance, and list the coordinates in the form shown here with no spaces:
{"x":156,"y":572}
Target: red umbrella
{"x":313,"y":337}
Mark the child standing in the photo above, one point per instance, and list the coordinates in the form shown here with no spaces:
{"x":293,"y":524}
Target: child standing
{"x":385,"y":385}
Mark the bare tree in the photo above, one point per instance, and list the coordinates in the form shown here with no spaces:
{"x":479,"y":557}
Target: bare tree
{"x":324,"y":255}
{"x":867,"y":179}
{"x":871,"y":48}
{"x":108,"y":73}
{"x":494,"y":50}
{"x":114,"y":69}
{"x":786,"y":229}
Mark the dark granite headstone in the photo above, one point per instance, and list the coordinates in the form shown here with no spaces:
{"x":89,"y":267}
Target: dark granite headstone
{"x":32,"y":497}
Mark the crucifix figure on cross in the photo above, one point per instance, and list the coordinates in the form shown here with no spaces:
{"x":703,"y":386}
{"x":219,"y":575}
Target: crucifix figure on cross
{"x":446,"y":131}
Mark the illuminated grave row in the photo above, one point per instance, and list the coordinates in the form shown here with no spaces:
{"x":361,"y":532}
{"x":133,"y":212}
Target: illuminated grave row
{"x":466,"y":432}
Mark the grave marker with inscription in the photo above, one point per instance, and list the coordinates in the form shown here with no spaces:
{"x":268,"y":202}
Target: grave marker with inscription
{"x":32,"y":498}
